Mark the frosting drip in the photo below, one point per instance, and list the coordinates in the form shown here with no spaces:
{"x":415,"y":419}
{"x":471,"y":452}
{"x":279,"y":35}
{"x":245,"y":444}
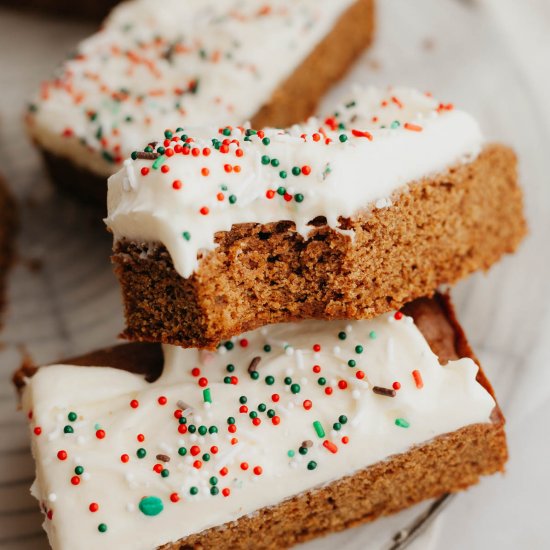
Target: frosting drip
{"x":193,"y":61}
{"x":196,"y":182}
{"x":271,"y":414}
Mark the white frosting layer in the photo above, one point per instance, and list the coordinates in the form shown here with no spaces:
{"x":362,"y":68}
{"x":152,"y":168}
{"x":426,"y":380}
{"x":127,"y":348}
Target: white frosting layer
{"x":193,"y":61}
{"x":379,"y":141}
{"x":375,"y":426}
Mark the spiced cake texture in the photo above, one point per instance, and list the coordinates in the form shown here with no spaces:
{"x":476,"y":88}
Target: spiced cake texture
{"x":8,"y":222}
{"x":438,"y":231}
{"x":448,"y":463}
{"x":293,"y":101}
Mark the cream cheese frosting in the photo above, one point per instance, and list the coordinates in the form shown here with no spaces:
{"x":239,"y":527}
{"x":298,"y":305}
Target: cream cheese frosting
{"x":123,"y":463}
{"x":193,"y":61}
{"x":193,"y":183}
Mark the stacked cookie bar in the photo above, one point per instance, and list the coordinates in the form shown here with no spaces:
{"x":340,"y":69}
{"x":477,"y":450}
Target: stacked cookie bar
{"x":294,"y":370}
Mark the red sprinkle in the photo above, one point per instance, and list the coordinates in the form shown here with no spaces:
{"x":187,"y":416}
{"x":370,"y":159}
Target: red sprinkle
{"x":203,"y":382}
{"x":316,"y":348}
{"x":141,"y":438}
{"x":62,"y":455}
{"x":100,"y":434}
{"x":275,"y":398}
{"x":134,"y":403}
{"x":195,"y":450}
{"x":307,"y":404}
{"x":258,"y":470}
{"x":162,"y":400}
{"x":396,"y":386}
{"x":243,"y":343}
{"x":174,"y":497}
{"x":270,"y":193}
{"x":328,"y":391}
{"x":226,"y":492}
{"x":75,"y":480}
{"x":144,"y":171}
{"x":224,"y":471}
{"x":197,"y":464}
{"x":360,"y":375}
{"x":342,"y":384}
{"x":124,"y":458}
{"x":360,"y":133}
{"x":345,"y":440}
{"x":177,"y":184}
{"x":244,"y":465}
{"x":37,"y":430}
{"x":94,"y":507}
{"x":196,"y":371}
{"x":398,"y":315}
{"x":316,"y":369}
{"x":330,"y":446}
{"x":158,"y":468}
{"x":418,"y":379}
{"x":412,"y":127}
{"x":276,"y":420}
{"x":204,"y":210}
{"x":165,"y":168}
{"x":205,"y":171}
{"x":306,"y":170}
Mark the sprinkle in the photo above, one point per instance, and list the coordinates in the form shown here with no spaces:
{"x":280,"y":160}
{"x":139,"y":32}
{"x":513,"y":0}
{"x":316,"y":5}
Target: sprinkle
{"x":396,"y":386}
{"x":102,"y":528}
{"x":418,"y":379}
{"x":330,"y":446}
{"x":412,"y":127}
{"x":254,"y":364}
{"x":386,"y":392}
{"x":145,"y":155}
{"x":62,"y":455}
{"x":360,"y":133}
{"x":163,"y":458}
{"x":151,"y":506}
{"x":94,"y":507}
{"x":207,"y":395}
{"x":311,"y":465}
{"x":401,"y":422}
{"x":398,"y":316}
{"x":319,"y":429}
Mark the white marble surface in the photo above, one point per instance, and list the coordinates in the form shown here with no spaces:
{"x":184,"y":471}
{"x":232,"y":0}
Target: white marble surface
{"x":492,"y":57}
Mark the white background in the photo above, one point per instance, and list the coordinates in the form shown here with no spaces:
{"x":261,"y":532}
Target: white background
{"x":491,"y":57}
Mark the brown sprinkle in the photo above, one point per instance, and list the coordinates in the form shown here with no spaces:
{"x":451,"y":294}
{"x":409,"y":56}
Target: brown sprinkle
{"x":254,"y":364}
{"x":142,"y":155}
{"x":163,"y":458}
{"x":307,"y":443}
{"x":387,"y":392}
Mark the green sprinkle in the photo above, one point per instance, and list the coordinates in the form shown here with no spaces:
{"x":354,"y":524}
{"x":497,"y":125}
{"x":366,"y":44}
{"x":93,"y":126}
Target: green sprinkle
{"x":358,"y":349}
{"x":68,"y":430}
{"x":229,"y":345}
{"x":194,"y":490}
{"x":226,"y":132}
{"x":141,"y":452}
{"x":352,"y":363}
{"x":165,"y":473}
{"x":213,"y":430}
{"x":342,"y":419}
{"x":291,"y":453}
{"x":158,"y":162}
{"x":401,"y":422}
{"x":295,"y":388}
{"x":296,"y":171}
{"x":230,"y":420}
{"x":134,"y":155}
{"x":342,"y":335}
{"x":168,"y":134}
{"x":213,"y":480}
{"x":299,"y":197}
{"x":275,"y":162}
{"x":214,"y":491}
{"x":182,"y":451}
{"x":322,"y":381}
{"x":232,"y":199}
{"x":302,"y":450}
{"x":79,"y":470}
{"x":206,"y":395}
{"x":266,"y":141}
{"x":161,"y":150}
{"x":206,"y":457}
{"x":243,"y":399}
{"x":265,"y":159}
{"x":319,"y":429}
{"x":230,"y":368}
{"x":337,"y":426}
{"x":253,"y":414}
{"x":72,"y":416}
{"x":182,"y":420}
{"x":311,"y":465}
{"x":151,"y":506}
{"x":254,"y":375}
{"x":192,"y":429}
{"x":281,"y":191}
{"x":270,"y":380}
{"x":343,"y":138}
{"x":102,"y":527}
{"x":288,"y":380}
{"x":395,"y":124}
{"x":282,"y":174}
{"x":148,"y":149}
{"x":372,"y":335}
{"x":262,"y":407}
{"x":270,"y":413}
{"x":203,"y":430}
{"x":223,"y":187}
{"x":267,"y":348}
{"x":227,"y":380}
{"x":186,"y":235}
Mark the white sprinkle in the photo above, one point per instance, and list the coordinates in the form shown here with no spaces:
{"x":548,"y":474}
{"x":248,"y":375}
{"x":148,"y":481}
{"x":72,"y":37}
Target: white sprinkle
{"x":129,"y":477}
{"x":86,"y":476}
{"x":336,"y":350}
{"x":129,"y":181}
{"x":391,"y":349}
{"x":289,"y":371}
{"x":289,"y":351}
{"x":52,"y":497}
{"x":349,"y":328}
{"x":131,"y":507}
{"x":299,"y":358}
{"x":356,"y":394}
{"x":81,"y":440}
